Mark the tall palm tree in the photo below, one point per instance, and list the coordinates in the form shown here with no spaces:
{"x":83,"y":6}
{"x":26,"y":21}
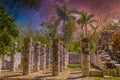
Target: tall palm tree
{"x":51,"y":27}
{"x":64,"y":15}
{"x":85,"y":20}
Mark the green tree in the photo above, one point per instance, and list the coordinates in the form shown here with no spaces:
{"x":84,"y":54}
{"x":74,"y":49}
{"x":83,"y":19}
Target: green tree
{"x":64,"y":13}
{"x":8,"y":30}
{"x":85,"y":20}
{"x":65,"y":16}
{"x":68,"y":30}
{"x":21,"y":3}
{"x":51,"y":27}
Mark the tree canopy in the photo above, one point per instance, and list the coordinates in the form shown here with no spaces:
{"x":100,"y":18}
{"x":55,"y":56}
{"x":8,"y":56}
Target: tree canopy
{"x":8,"y":29}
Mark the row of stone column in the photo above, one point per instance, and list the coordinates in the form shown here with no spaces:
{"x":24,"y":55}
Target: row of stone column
{"x":33,"y":58}
{"x":59,"y":57}
{"x":41,"y":57}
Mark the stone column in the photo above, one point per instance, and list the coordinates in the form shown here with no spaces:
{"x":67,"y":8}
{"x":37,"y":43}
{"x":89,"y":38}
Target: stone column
{"x":56,"y":58}
{"x":12,"y":61}
{"x":43,"y":57}
{"x":21,"y":64}
{"x":48,"y":58}
{"x":65,"y":57}
{"x":61,"y":56}
{"x":0,"y":63}
{"x":27,"y":56}
{"x":118,"y":69}
{"x":32,"y":57}
{"x":37,"y":57}
{"x":85,"y":57}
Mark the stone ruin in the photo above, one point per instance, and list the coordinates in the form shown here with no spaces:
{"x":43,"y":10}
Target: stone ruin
{"x":106,"y":59}
{"x":36,"y":58}
{"x":60,"y":57}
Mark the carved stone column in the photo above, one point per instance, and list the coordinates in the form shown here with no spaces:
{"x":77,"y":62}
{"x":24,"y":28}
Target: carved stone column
{"x":65,"y":57}
{"x":43,"y":57}
{"x":32,"y":57}
{"x":37,"y":57}
{"x":48,"y":58}
{"x":61,"y":56}
{"x":56,"y":58}
{"x":85,"y":57}
{"x":12,"y":61}
{"x":0,"y":63}
{"x":27,"y":56}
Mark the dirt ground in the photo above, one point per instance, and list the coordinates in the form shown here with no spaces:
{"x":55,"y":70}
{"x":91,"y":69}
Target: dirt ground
{"x":69,"y":74}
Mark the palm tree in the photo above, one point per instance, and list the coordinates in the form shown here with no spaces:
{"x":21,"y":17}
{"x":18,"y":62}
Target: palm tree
{"x":85,"y":20}
{"x":65,"y":15}
{"x":51,"y":27}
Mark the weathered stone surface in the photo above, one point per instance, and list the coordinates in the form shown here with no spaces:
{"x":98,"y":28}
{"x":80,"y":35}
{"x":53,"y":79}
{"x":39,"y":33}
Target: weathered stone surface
{"x":27,"y":56}
{"x":43,"y":57}
{"x":74,"y":58}
{"x":118,"y":69}
{"x":48,"y":58}
{"x":65,"y":57}
{"x":85,"y":58}
{"x":0,"y":63}
{"x":32,"y":58}
{"x":96,"y":73}
{"x":61,"y":56}
{"x":37,"y":57}
{"x":104,"y":69}
{"x":56,"y":58}
{"x":115,"y":72}
{"x":12,"y":62}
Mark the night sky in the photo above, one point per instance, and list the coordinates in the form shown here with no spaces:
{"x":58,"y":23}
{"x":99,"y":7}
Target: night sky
{"x":47,"y":7}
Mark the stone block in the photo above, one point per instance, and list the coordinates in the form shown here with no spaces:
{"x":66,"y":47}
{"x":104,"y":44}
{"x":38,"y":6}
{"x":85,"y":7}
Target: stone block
{"x":118,"y":69}
{"x":96,"y":73}
{"x":115,"y":73}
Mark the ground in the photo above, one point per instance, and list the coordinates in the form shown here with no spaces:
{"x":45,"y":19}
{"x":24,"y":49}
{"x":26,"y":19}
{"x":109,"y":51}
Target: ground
{"x":72,"y":73}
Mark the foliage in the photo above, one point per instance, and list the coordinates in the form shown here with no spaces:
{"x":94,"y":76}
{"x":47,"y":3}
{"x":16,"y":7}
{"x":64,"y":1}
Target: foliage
{"x":27,"y":31}
{"x":67,"y":20}
{"x":64,"y":13}
{"x":15,"y":3}
{"x":106,"y":78}
{"x":73,"y":66}
{"x":93,"y":46}
{"x":85,"y":20}
{"x":51,"y":27}
{"x":8,"y":30}
{"x":73,"y":46}
{"x":68,"y":30}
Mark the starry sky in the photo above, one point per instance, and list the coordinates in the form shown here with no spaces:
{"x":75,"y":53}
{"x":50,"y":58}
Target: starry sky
{"x":47,"y":7}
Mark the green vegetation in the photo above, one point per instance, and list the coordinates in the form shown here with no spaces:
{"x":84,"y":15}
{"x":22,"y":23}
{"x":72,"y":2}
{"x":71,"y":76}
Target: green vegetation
{"x":107,"y":78}
{"x":8,"y":30}
{"x":64,"y":25}
{"x":30,"y":3}
{"x":73,"y":66}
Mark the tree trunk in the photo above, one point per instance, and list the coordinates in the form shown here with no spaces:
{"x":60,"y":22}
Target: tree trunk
{"x":86,"y":35}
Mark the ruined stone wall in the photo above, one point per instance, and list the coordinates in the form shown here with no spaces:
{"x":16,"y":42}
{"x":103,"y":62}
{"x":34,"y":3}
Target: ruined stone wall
{"x":6,"y":61}
{"x":74,"y":58}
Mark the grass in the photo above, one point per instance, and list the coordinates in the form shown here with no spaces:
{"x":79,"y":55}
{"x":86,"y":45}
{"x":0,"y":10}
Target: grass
{"x":107,"y":78}
{"x":73,"y":66}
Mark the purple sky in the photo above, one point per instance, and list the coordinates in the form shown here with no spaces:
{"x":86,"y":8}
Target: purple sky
{"x":97,"y":7}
